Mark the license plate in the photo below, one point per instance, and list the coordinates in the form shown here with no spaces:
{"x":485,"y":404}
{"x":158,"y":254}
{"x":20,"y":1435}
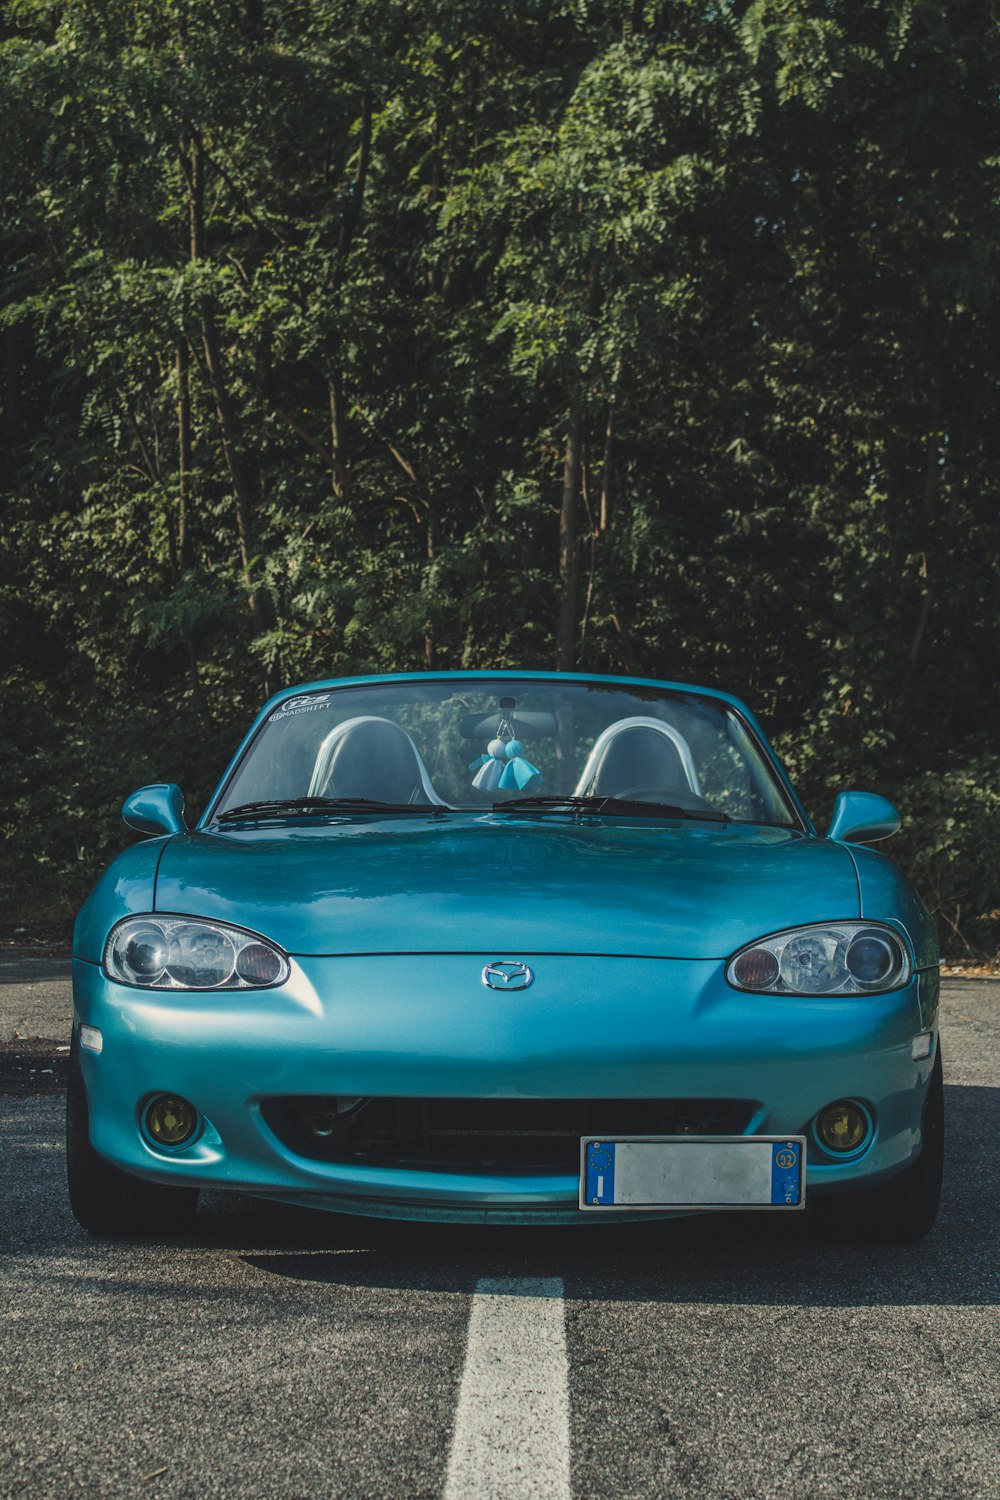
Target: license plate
{"x":693,"y":1172}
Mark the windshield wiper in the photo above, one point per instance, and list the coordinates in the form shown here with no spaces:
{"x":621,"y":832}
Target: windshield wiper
{"x":277,"y":807}
{"x":615,"y":807}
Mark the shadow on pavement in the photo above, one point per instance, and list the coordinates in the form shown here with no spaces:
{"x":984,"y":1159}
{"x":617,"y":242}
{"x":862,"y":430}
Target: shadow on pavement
{"x":766,"y":1260}
{"x":18,"y":967}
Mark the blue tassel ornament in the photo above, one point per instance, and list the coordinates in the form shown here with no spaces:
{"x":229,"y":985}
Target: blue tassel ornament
{"x":491,"y":768}
{"x":518,"y":775}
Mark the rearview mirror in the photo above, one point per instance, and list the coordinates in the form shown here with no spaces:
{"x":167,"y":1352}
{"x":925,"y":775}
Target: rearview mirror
{"x":862,"y":818}
{"x":155,"y":809}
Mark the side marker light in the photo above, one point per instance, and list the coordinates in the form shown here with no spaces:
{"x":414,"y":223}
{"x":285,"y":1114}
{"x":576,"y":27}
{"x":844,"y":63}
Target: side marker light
{"x":91,"y":1039}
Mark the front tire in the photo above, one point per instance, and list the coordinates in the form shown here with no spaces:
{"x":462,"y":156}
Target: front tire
{"x":105,"y":1200}
{"x":903,"y":1209}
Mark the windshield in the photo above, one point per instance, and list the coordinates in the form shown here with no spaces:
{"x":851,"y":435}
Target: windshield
{"x":462,"y":744}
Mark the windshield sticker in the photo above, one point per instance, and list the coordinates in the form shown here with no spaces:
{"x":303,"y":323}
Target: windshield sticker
{"x":292,"y":707}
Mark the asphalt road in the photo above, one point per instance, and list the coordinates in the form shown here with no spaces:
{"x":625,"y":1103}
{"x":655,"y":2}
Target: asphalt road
{"x":35,"y":1011}
{"x":35,"y":996}
{"x":279,"y":1354}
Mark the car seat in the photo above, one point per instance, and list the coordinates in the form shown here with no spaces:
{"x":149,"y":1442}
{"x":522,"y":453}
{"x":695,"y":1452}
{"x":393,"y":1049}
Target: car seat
{"x":371,"y":757}
{"x":639,"y":755}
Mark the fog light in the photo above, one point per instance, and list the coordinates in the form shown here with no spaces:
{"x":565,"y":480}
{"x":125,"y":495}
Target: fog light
{"x":842,"y":1126}
{"x":171,"y":1121}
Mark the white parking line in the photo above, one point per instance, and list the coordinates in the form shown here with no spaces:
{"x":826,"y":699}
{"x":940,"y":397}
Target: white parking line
{"x":512,"y":1426}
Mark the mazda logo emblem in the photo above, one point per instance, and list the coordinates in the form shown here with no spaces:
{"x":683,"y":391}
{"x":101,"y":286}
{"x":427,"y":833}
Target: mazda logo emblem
{"x":507,"y":975}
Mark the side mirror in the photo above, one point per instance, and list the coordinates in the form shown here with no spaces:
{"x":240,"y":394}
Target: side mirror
{"x":862,"y":818}
{"x":155,"y":809}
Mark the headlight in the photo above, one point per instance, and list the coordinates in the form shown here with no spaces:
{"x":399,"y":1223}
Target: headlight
{"x":837,"y":958}
{"x":182,"y":953}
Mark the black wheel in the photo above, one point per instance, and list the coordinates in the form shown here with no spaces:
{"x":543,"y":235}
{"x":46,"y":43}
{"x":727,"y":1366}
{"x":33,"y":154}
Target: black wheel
{"x":901,"y":1210}
{"x":105,"y":1200}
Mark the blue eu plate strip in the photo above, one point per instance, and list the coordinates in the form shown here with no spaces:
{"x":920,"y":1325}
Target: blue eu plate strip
{"x":786,"y":1172}
{"x":600,"y":1172}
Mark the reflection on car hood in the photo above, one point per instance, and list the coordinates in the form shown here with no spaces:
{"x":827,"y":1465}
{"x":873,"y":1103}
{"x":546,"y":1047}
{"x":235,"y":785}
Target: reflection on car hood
{"x":506,"y":886}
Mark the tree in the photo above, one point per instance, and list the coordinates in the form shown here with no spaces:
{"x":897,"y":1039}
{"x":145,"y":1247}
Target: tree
{"x":644,"y":338}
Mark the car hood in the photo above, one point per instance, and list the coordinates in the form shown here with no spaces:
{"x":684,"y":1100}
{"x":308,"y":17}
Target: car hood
{"x":507,"y":886}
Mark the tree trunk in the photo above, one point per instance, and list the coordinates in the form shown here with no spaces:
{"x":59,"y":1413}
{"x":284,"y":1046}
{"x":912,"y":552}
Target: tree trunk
{"x":193,"y":163}
{"x":569,"y":524}
{"x":12,"y":391}
{"x":339,"y":479}
{"x":607,"y":463}
{"x":184,"y":560}
{"x":928,"y":499}
{"x":242,"y":492}
{"x":184,"y":548}
{"x":352,"y":218}
{"x":429,"y":626}
{"x":569,"y":539}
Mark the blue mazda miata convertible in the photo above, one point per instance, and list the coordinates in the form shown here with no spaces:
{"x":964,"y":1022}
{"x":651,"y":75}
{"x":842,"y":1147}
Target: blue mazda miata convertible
{"x":506,"y":947}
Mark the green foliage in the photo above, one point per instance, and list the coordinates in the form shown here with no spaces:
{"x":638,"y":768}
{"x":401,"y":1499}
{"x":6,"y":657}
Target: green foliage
{"x":951,"y":844}
{"x":298,"y":304}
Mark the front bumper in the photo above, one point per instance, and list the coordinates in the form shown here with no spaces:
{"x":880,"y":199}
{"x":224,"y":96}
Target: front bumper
{"x":424,"y":1026}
